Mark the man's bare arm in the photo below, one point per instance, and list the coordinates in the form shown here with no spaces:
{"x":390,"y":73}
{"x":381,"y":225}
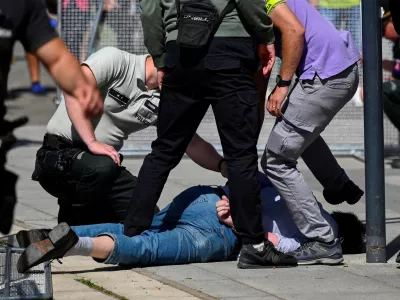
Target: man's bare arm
{"x":76,"y":113}
{"x":292,"y":39}
{"x":83,"y":125}
{"x":66,"y":71}
{"x":205,"y":155}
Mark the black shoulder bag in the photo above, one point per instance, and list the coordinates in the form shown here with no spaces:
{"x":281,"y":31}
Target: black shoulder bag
{"x":198,"y":21}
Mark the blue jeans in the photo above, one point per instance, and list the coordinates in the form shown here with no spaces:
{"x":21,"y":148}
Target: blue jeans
{"x":351,"y":18}
{"x":185,"y":231}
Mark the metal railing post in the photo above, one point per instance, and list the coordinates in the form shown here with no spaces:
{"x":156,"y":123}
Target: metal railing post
{"x":373,"y":131}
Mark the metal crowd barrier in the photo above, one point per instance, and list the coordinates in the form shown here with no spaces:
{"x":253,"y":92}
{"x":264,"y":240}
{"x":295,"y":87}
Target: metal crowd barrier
{"x":34,"y":284}
{"x":93,"y":28}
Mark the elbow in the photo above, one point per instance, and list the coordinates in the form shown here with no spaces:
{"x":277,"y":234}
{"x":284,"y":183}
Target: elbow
{"x":299,"y":31}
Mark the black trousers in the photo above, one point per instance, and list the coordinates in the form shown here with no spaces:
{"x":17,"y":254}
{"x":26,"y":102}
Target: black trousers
{"x":391,"y":101}
{"x":221,"y":76}
{"x":91,"y":189}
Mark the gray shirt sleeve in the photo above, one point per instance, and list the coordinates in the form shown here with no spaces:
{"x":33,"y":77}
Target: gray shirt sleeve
{"x":107,"y":65}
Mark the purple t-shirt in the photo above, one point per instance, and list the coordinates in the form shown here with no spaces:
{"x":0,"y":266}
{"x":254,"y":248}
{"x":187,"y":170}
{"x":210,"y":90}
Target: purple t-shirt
{"x":327,"y":51}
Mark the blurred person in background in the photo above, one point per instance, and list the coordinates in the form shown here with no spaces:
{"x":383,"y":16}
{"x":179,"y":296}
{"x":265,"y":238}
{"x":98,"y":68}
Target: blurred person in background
{"x":344,"y":14}
{"x":391,"y":88}
{"x":27,"y":21}
{"x":34,"y":72}
{"x":75,"y":20}
{"x":395,"y":8}
{"x":122,"y":19}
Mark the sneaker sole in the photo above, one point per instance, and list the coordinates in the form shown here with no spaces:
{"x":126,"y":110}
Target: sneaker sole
{"x":322,"y":261}
{"x":251,"y":266}
{"x":245,"y":265}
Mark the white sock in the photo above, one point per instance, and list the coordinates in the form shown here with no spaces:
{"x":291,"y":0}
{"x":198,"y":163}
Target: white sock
{"x":259,"y":247}
{"x":83,"y":247}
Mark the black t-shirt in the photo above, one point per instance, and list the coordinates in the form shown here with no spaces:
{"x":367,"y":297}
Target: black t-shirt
{"x":26,"y":21}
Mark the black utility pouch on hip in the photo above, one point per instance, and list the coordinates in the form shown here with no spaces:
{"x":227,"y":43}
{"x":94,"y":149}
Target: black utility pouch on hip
{"x":197,"y":22}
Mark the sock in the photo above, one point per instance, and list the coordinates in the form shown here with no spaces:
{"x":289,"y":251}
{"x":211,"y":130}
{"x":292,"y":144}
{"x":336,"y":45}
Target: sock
{"x":83,"y":247}
{"x":259,"y":247}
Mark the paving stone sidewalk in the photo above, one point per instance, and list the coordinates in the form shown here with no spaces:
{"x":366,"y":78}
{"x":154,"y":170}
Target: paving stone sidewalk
{"x":353,"y":280}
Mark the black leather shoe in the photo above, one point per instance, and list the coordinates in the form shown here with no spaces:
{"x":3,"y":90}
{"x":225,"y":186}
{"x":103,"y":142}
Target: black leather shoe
{"x":267,"y":257}
{"x":61,"y":239}
{"x":398,"y":258}
{"x":396,"y":163}
{"x":350,"y":193}
{"x":27,"y":237}
{"x":24,"y":238}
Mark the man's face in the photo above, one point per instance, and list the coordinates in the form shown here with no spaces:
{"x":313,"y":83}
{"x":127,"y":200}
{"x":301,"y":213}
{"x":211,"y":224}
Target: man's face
{"x":388,"y":30}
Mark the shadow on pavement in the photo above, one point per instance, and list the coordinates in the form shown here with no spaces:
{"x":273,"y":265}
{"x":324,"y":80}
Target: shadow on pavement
{"x":392,"y":248}
{"x":104,"y":269}
{"x":15,"y":93}
{"x":23,"y":142}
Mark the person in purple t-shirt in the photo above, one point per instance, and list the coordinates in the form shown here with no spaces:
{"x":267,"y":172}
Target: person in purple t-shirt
{"x":325,"y":62}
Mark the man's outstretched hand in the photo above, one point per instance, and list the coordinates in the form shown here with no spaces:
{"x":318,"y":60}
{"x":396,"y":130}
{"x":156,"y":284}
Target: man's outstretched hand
{"x":267,"y":57}
{"x":224,"y":211}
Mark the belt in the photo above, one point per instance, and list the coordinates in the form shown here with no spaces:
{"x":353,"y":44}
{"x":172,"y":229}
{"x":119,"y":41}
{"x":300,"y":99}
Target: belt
{"x":59,"y":143}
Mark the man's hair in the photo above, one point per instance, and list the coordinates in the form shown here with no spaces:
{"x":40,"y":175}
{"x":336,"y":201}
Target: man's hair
{"x":351,"y":231}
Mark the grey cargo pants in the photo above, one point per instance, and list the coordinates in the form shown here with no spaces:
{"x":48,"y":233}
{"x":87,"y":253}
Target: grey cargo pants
{"x":310,"y":107}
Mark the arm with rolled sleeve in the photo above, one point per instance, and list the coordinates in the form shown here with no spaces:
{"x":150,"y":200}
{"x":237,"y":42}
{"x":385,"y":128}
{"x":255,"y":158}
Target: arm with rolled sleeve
{"x":153,"y":30}
{"x":254,"y":14}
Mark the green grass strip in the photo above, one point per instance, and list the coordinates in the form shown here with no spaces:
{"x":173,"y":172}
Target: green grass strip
{"x":100,"y":289}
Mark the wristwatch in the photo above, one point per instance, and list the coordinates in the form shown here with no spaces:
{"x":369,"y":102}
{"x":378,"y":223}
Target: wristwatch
{"x":282,"y":83}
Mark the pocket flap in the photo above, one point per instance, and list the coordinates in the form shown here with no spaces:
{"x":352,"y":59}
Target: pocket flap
{"x":298,"y":123}
{"x":250,"y":97}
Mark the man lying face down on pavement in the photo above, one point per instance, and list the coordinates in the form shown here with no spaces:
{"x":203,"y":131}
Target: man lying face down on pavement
{"x":196,"y":227}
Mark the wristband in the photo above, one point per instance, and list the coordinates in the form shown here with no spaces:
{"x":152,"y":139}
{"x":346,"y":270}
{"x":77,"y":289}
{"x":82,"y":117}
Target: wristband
{"x":271,"y":4}
{"x":220,"y":163}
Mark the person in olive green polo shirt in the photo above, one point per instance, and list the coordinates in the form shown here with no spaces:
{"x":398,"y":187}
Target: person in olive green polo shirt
{"x":342,"y":11}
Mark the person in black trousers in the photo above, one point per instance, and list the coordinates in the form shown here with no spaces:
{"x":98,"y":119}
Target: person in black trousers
{"x":220,"y":74}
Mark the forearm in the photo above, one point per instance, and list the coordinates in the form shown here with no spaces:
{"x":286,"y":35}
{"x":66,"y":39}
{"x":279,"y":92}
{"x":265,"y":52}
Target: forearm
{"x":292,"y":50}
{"x":79,"y":119}
{"x":153,"y":30}
{"x":203,"y":153}
{"x":292,"y":32}
{"x":254,"y":14}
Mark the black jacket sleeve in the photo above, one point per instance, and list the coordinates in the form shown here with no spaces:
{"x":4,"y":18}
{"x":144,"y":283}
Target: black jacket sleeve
{"x":395,"y":12}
